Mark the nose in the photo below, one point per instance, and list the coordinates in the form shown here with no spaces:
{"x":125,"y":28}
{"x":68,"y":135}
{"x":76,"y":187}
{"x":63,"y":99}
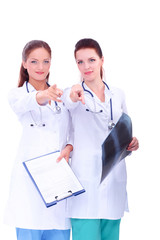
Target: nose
{"x":86,"y":65}
{"x":40,"y":65}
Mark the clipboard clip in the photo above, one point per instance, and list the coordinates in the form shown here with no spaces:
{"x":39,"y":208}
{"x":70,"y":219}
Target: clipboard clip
{"x":63,"y":195}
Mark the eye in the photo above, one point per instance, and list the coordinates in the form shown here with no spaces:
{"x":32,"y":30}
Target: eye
{"x":92,"y":60}
{"x":46,"y":61}
{"x":79,"y":62}
{"x":34,"y":61}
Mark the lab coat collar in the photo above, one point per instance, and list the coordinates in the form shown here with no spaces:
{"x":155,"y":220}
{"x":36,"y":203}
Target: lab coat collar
{"x":30,"y":87}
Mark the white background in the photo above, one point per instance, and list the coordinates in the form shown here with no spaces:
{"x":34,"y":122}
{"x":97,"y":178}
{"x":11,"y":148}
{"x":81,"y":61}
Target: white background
{"x":129,"y":34}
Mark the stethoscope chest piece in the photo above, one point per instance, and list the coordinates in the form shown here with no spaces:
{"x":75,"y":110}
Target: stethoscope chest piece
{"x":57,"y":109}
{"x":111,"y":125}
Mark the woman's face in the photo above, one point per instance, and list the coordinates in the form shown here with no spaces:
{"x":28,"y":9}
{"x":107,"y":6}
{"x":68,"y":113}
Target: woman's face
{"x":89,"y":64}
{"x":38,"y":64}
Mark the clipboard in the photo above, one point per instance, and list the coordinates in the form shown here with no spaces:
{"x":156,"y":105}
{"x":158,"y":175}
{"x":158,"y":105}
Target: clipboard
{"x":55,"y":181}
{"x":114,"y":148}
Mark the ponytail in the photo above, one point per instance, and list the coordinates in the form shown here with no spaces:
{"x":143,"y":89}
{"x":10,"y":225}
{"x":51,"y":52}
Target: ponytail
{"x":23,"y":76}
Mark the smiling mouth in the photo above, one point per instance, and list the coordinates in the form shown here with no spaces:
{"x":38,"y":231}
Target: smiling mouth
{"x":40,"y":73}
{"x":88,"y":73}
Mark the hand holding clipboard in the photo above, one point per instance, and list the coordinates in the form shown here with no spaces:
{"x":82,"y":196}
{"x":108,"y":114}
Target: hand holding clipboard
{"x":54,"y":180}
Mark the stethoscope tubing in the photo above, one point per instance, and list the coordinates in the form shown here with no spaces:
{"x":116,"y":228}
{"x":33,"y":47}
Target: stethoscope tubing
{"x":111,"y":108}
{"x":48,"y":86}
{"x":58,"y":109}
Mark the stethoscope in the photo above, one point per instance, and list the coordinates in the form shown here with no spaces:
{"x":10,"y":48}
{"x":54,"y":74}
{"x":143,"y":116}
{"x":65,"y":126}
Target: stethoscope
{"x":111,"y":124}
{"x":56,"y":110}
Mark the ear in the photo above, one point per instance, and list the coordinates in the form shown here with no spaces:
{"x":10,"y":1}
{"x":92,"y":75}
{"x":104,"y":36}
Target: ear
{"x":24,"y":64}
{"x":102,"y":60}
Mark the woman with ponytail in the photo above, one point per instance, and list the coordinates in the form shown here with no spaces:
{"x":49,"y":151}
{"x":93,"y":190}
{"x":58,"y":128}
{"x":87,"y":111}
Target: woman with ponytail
{"x":95,"y":108}
{"x":45,"y":123}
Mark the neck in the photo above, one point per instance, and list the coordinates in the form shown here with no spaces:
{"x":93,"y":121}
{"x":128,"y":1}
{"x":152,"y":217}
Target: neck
{"x":38,"y":84}
{"x":96,"y":86}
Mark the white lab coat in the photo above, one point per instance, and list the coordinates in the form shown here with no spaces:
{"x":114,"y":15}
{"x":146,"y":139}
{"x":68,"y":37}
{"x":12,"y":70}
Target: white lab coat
{"x":25,"y":208}
{"x":109,"y":199}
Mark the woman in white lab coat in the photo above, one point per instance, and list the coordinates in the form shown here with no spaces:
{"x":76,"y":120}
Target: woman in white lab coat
{"x":95,"y":214}
{"x":45,"y":123}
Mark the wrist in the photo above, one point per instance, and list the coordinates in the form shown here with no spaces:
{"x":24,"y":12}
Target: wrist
{"x":70,"y":147}
{"x":72,"y":97}
{"x":41,"y":98}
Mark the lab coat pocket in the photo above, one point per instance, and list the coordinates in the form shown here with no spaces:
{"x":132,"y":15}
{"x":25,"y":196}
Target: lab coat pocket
{"x":119,"y":172}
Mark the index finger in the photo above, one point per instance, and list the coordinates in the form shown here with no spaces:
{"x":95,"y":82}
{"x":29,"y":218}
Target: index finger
{"x":54,"y":86}
{"x":82,"y":98}
{"x":59,"y":92}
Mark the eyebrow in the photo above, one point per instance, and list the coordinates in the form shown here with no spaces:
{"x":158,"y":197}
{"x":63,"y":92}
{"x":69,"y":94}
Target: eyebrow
{"x":82,"y":60}
{"x":43,"y":59}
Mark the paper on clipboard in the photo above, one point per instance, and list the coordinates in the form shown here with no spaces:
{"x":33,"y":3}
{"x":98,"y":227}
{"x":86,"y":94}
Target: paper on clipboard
{"x":114,"y":148}
{"x":54,"y":181}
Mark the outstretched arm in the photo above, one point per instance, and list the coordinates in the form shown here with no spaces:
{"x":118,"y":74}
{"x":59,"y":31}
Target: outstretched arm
{"x":52,"y":93}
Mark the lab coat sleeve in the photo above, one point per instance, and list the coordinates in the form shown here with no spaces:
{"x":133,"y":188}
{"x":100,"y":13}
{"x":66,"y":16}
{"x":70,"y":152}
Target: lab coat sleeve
{"x":70,"y":139}
{"x":66,"y":128}
{"x":67,"y":100}
{"x":22,"y":101}
{"x":124,"y":106}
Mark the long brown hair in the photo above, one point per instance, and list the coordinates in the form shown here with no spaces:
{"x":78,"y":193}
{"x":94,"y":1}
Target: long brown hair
{"x":29,"y":47}
{"x":89,"y":43}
